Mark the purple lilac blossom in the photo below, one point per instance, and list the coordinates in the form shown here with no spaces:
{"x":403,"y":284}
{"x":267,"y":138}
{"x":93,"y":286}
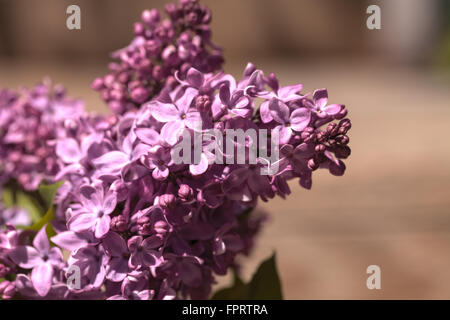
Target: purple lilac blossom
{"x":137,"y":224}
{"x":161,"y":48}
{"x":30,"y":122}
{"x":174,"y":228}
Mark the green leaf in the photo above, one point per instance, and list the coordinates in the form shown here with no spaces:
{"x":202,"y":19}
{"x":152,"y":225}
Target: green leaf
{"x":48,"y":193}
{"x":8,"y":197}
{"x":265,"y":285}
{"x":30,"y":204}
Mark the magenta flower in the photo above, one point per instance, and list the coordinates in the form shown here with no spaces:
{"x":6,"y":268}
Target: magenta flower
{"x":320,"y":107}
{"x":94,"y":214}
{"x":176,"y":116}
{"x":159,"y":160}
{"x":287,"y":121}
{"x":117,"y":268}
{"x":41,"y":258}
{"x":144,"y":251}
{"x":92,"y":262}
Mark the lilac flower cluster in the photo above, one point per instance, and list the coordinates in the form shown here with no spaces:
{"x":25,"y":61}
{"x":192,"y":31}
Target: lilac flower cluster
{"x":30,"y":123}
{"x":136,"y":223}
{"x":161,"y":48}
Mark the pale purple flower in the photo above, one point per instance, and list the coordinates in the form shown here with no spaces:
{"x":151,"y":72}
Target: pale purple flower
{"x":41,"y":258}
{"x":144,"y":251}
{"x":320,"y":107}
{"x":159,"y":160}
{"x":288,"y":121}
{"x":97,"y":205}
{"x":92,"y":262}
{"x":117,"y":268}
{"x":176,"y":116}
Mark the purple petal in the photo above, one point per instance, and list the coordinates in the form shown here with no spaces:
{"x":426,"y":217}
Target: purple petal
{"x":193,"y":121}
{"x":300,"y":119}
{"x":151,"y":242}
{"x":337,"y":168}
{"x":41,"y":276}
{"x":69,"y":240}
{"x":147,"y":135}
{"x":195,"y":78}
{"x":117,"y":269}
{"x":68,"y":150}
{"x":259,"y":184}
{"x":55,"y":256}
{"x":116,"y":297}
{"x":140,"y":150}
{"x":320,"y":97}
{"x":171,"y":131}
{"x":290,"y":93}
{"x":81,"y":222}
{"x":41,"y":242}
{"x":135,"y":260}
{"x":285,"y":134}
{"x":115,"y":245}
{"x":265,"y":112}
{"x":109,"y":203}
{"x":90,"y":197}
{"x":102,"y":226}
{"x":224,"y":93}
{"x":184,"y":103}
{"x":25,"y":256}
{"x":279,"y":111}
{"x":134,"y":243}
{"x":150,"y":259}
{"x":164,"y":112}
{"x":112,"y":162}
{"x":332,"y":109}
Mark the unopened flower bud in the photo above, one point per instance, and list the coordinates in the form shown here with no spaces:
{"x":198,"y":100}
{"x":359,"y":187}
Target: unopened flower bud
{"x":185,"y":192}
{"x":320,"y":148}
{"x":138,"y":29}
{"x":97,"y":84}
{"x":312,"y":165}
{"x":119,"y":223}
{"x":343,"y":140}
{"x":150,"y":17}
{"x":167,"y":201}
{"x":139,"y":95}
{"x":203,"y":104}
{"x":342,"y":152}
{"x":161,"y":227}
{"x":7,"y":290}
{"x":144,"y":225}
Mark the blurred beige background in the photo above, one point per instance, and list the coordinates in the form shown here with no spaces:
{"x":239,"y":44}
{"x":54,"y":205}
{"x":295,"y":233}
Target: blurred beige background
{"x":392,"y":208}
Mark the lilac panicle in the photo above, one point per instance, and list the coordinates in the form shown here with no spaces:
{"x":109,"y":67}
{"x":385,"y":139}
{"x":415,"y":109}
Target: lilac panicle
{"x":137,"y":224}
{"x":156,"y":224}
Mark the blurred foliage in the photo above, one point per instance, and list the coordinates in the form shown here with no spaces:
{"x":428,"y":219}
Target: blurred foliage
{"x":38,"y":204}
{"x":265,"y":285}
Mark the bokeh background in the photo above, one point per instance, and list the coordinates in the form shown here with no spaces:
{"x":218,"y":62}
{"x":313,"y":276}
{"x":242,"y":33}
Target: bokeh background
{"x":391,"y":209}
